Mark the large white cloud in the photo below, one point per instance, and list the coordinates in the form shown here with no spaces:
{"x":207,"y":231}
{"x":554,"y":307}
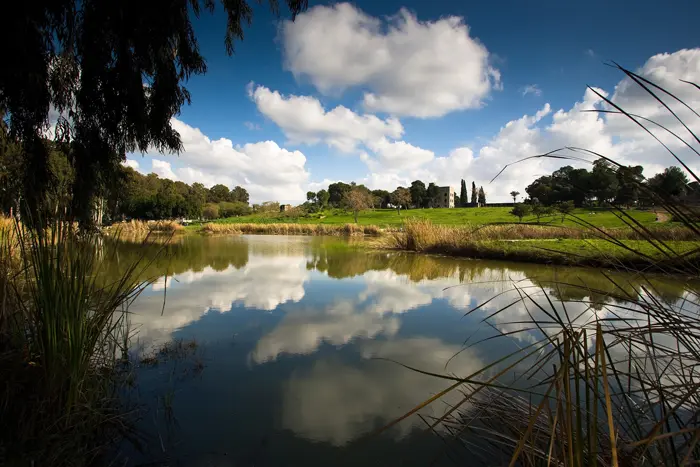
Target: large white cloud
{"x":266,"y":170}
{"x":304,"y":120}
{"x":611,"y":135}
{"x":408,"y":67}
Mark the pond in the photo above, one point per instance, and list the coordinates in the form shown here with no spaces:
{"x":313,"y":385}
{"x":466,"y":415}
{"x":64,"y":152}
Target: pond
{"x":285,"y":351}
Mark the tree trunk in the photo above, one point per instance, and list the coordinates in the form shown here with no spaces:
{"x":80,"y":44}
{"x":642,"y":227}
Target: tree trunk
{"x":355,"y":217}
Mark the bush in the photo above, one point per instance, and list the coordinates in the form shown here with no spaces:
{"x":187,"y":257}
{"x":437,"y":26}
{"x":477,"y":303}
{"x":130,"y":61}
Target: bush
{"x":233,"y":209}
{"x":210,"y":211}
{"x":520,"y":210}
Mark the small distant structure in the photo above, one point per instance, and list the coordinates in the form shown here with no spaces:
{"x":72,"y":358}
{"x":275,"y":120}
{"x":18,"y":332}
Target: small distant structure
{"x":285,"y":207}
{"x":445,"y":197}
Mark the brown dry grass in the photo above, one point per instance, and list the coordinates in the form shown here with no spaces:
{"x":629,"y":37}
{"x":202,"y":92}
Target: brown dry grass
{"x":291,"y":229}
{"x":137,"y":226}
{"x":421,"y":234}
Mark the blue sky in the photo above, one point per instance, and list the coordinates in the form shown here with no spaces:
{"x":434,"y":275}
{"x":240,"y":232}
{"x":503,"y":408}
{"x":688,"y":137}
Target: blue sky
{"x":446,"y":77}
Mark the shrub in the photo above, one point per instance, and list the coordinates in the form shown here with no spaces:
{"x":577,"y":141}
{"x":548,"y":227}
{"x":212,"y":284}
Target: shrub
{"x":520,"y":210}
{"x":237,"y":208}
{"x":210,"y":211}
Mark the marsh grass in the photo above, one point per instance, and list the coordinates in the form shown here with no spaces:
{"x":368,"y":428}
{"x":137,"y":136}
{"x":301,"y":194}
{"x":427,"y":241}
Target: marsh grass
{"x":551,"y":245}
{"x":143,"y":227}
{"x":291,"y":229}
{"x":592,"y":383}
{"x":62,"y":340}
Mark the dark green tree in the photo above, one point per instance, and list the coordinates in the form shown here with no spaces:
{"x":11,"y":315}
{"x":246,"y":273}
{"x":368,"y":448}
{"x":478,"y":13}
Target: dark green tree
{"x":630,"y":180}
{"x":336,"y":192}
{"x":474,"y":194}
{"x":463,"y":196}
{"x":114,"y":72}
{"x":482,"y":196}
{"x":418,"y":193}
{"x":672,"y":182}
{"x":322,"y":197}
{"x":239,"y":195}
{"x":384,"y":196}
{"x":218,"y":193}
{"x":431,"y":195}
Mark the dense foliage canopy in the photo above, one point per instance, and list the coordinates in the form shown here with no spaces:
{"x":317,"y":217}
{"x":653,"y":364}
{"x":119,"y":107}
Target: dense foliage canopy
{"x":105,"y":78}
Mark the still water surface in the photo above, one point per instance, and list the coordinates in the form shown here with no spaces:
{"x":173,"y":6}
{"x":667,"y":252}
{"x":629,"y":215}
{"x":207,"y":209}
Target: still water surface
{"x":294,"y":340}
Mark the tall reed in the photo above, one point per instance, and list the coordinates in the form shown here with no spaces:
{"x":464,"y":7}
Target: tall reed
{"x":589,"y":384}
{"x":63,"y":336}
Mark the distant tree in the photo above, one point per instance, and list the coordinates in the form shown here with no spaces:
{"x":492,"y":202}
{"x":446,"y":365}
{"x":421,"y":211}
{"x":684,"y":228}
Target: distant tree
{"x":431,"y":195}
{"x":630,"y":180}
{"x":458,"y":201}
{"x":538,"y":209}
{"x":401,"y":197}
{"x":514,"y":195}
{"x":310,"y":196}
{"x":672,"y":182}
{"x":210,"y":211}
{"x":269,"y":206}
{"x":482,"y":196}
{"x":218,"y":193}
{"x":474,"y":194}
{"x":520,"y":210}
{"x":384,"y":196}
{"x":233,"y":209}
{"x":337,"y":192}
{"x":603,"y":181}
{"x":463,"y":195}
{"x":322,"y":198}
{"x":418,"y":193}
{"x":358,"y":200}
{"x":240,"y":195}
{"x":564,"y":208}
{"x":198,"y":196}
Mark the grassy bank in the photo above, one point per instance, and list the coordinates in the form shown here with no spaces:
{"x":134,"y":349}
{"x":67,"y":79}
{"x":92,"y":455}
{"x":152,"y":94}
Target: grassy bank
{"x":623,"y":248}
{"x":442,"y":216}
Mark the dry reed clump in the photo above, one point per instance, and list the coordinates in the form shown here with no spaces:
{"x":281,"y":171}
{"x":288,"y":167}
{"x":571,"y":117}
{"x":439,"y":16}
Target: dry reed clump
{"x":290,"y":229}
{"x":423,"y":235}
{"x":138,"y":226}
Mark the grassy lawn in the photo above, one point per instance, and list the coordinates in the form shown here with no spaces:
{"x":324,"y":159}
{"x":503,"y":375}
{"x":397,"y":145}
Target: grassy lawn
{"x":457,"y":216}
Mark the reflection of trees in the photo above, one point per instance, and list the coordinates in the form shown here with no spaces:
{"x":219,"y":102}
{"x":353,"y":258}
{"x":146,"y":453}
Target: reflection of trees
{"x":338,"y":260}
{"x":178,"y":256}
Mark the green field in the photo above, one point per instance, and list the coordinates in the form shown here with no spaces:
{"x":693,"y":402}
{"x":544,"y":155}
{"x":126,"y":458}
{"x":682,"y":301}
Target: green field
{"x":457,"y":216}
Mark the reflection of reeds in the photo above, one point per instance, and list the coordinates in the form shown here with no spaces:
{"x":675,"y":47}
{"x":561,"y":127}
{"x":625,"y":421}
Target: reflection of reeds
{"x":598,"y":384}
{"x":291,"y":229}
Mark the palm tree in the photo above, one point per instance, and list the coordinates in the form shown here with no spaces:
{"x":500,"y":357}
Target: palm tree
{"x":514,"y":194}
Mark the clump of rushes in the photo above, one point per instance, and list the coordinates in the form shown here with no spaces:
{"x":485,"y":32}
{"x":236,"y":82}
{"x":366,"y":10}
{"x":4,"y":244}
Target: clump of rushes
{"x":590,"y":383}
{"x":290,"y":229}
{"x":61,"y":341}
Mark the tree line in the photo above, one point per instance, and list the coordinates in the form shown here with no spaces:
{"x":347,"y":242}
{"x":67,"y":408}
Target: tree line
{"x":128,"y":194}
{"x":606,"y":184}
{"x":417,"y":195}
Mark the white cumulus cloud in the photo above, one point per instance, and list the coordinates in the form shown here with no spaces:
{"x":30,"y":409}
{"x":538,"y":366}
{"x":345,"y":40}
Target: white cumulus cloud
{"x":406,"y":66}
{"x":266,"y":170}
{"x":304,"y":120}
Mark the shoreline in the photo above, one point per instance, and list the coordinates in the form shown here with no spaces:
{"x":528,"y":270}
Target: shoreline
{"x":526,"y":243}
